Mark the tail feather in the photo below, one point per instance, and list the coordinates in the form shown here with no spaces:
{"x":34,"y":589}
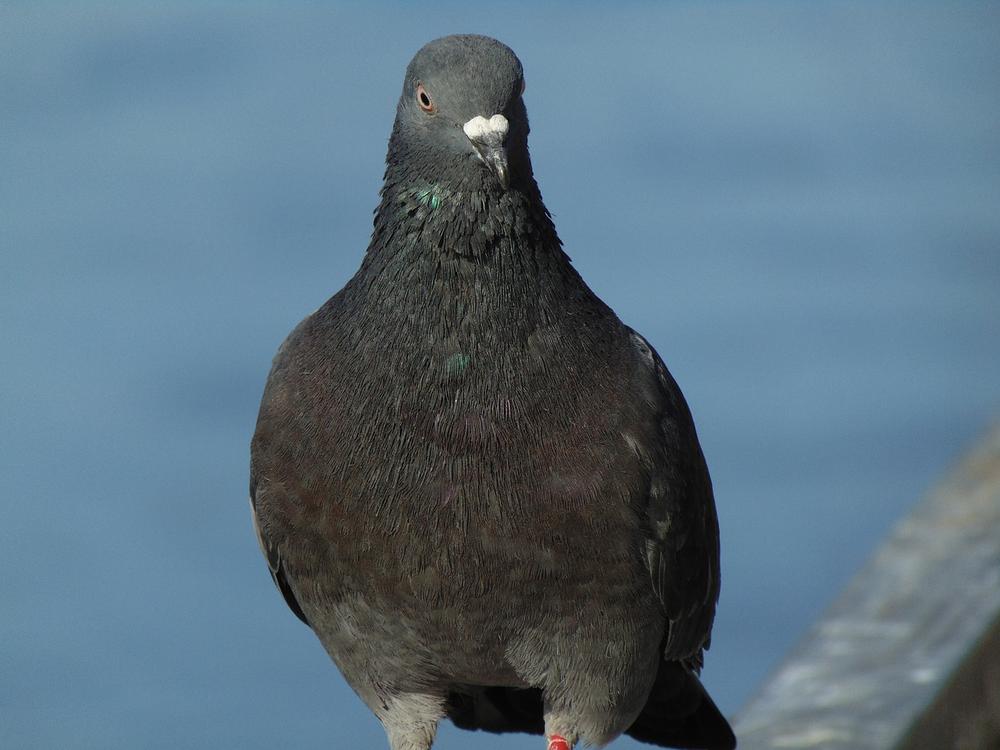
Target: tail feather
{"x":681,"y":714}
{"x":678,"y":714}
{"x":497,"y":709}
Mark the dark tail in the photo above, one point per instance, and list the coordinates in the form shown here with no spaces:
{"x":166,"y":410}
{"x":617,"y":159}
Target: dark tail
{"x":497,"y":709}
{"x":680,"y":714}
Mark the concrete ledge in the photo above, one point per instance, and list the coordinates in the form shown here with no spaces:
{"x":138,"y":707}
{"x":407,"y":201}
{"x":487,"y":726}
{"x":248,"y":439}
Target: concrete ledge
{"x":908,"y":657}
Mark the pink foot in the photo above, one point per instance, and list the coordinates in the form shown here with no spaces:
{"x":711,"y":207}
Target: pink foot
{"x":556,"y":742}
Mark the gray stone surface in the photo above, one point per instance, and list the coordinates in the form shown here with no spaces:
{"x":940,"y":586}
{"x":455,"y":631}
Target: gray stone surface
{"x":904,"y":657}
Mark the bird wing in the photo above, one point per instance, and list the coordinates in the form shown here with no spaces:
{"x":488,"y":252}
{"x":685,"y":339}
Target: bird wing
{"x":269,"y":497}
{"x":272,"y":553}
{"x":682,"y":536}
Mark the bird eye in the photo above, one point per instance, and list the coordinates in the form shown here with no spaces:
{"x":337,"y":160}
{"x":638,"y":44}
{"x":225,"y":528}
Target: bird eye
{"x":424,"y":99}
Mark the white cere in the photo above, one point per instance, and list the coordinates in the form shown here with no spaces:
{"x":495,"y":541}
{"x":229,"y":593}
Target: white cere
{"x":491,"y":131}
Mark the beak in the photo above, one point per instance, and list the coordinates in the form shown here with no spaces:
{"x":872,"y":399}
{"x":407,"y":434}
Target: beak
{"x":488,"y":138}
{"x":495,"y":157}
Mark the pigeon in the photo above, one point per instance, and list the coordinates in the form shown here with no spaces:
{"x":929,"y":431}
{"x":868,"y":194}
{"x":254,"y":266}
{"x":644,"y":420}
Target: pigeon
{"x":480,"y":489}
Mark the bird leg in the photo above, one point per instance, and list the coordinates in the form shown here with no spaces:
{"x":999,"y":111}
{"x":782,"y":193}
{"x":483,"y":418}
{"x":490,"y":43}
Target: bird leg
{"x":558,"y":742}
{"x":410,"y":720}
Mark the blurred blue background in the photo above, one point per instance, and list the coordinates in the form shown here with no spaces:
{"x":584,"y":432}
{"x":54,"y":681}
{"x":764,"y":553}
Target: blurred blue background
{"x":798,"y":204}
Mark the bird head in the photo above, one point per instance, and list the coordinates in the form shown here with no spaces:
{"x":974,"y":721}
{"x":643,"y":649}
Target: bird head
{"x":461,"y":117}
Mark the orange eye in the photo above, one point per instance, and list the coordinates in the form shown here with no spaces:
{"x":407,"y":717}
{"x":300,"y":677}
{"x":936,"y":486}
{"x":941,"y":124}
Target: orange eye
{"x":424,"y":99}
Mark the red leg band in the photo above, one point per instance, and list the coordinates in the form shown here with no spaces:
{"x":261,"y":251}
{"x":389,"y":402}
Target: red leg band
{"x":557,"y":742}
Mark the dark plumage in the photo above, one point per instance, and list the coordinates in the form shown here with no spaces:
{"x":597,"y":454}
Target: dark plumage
{"x":480,"y":489}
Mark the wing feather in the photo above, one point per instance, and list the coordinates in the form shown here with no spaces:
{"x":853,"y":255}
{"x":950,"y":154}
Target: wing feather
{"x":272,"y":554}
{"x":682,"y":544}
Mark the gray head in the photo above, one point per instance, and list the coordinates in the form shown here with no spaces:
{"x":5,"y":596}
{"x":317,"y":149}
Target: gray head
{"x":460,"y":118}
